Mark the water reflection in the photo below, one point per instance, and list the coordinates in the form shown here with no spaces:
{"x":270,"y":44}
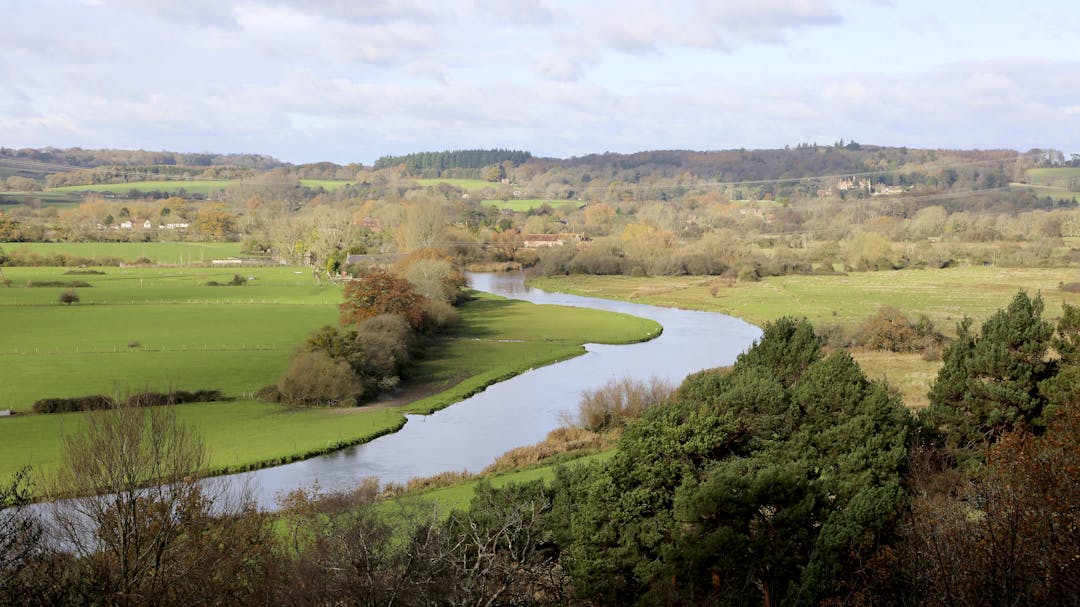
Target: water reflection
{"x":471,"y":434}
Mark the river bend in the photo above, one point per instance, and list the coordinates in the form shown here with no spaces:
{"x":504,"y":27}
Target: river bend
{"x":471,"y":434}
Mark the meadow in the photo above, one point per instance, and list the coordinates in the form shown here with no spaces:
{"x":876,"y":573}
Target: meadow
{"x":204,"y":187}
{"x":160,"y":329}
{"x":523,"y":205}
{"x":945,"y":296}
{"x":162,"y":253}
{"x":468,"y":185}
{"x":50,"y":198}
{"x":1061,"y":177}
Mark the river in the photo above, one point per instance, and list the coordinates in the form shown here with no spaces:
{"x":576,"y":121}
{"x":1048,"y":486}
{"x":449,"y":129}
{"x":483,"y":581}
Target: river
{"x":470,"y":434}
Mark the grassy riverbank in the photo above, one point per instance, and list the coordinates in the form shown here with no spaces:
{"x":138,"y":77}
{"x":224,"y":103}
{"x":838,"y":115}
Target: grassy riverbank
{"x":247,"y":335}
{"x":945,"y":296}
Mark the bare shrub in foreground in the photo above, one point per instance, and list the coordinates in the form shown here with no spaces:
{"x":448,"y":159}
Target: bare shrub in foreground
{"x":619,"y":401}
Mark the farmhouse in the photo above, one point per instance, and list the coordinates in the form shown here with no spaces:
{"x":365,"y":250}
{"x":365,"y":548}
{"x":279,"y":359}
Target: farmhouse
{"x":539,"y":241}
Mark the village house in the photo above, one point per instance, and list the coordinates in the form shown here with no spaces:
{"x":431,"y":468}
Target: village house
{"x":540,"y":241}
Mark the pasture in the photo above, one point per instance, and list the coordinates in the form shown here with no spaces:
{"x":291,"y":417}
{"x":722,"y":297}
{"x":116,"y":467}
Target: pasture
{"x":204,"y":187}
{"x":239,"y":434}
{"x":1067,"y":178}
{"x":468,"y":185}
{"x":523,"y":205}
{"x":165,"y":253}
{"x":160,"y":329}
{"x":945,"y":296}
{"x":137,"y":328}
{"x":50,"y":198}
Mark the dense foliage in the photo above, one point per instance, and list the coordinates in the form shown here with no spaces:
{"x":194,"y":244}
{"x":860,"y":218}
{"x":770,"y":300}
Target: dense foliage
{"x":432,"y":164}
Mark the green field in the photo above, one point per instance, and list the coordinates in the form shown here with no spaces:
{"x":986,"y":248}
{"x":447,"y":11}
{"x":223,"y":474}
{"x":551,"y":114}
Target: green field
{"x":500,"y":338}
{"x":158,"y":252}
{"x":193,"y":186}
{"x":458,"y":495}
{"x":139,"y":329}
{"x":238,"y":434}
{"x":1067,"y":178}
{"x":155,"y":327}
{"x":468,"y":185}
{"x":945,"y":296}
{"x":525,"y":204}
{"x":51,"y":198}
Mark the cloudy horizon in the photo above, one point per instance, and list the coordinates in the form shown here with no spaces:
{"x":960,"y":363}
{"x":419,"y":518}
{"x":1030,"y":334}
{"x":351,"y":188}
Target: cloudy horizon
{"x":311,"y":80}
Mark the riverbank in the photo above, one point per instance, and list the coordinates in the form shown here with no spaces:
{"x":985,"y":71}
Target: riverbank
{"x":845,"y":301}
{"x":496,"y":339}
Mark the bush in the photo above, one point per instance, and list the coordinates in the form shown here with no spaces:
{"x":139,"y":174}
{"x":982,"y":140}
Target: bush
{"x":237,"y":281}
{"x":97,"y":402}
{"x":439,"y":315}
{"x":315,"y":379}
{"x":157,"y":399}
{"x":57,"y":283}
{"x":94,"y":402}
{"x":69,"y":297}
{"x":889,"y":329}
{"x":618,"y":401}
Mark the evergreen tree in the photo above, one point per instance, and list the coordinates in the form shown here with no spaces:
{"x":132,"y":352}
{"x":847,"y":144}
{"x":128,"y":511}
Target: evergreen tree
{"x":990,"y":384}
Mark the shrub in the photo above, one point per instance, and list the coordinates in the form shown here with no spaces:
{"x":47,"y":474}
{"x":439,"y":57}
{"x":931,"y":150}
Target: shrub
{"x":94,"y":402}
{"x":157,"y":399}
{"x":313,"y":378}
{"x":439,"y":315}
{"x":57,"y":283}
{"x":889,"y":329}
{"x":618,"y":401}
{"x":69,"y":297}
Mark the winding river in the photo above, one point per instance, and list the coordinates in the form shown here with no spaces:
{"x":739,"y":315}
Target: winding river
{"x":472,"y":433}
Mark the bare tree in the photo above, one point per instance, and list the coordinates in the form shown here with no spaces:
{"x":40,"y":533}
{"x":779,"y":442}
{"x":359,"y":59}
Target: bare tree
{"x":147,"y":529}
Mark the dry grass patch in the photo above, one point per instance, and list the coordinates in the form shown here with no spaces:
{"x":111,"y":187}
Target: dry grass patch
{"x":907,"y":373}
{"x":558,"y":441}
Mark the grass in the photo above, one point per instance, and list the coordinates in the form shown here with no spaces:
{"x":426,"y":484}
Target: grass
{"x":194,"y":186}
{"x":1057,"y":193}
{"x":238,"y":339}
{"x":186,"y":335}
{"x":54,"y":199}
{"x":468,"y":185}
{"x":458,"y":495}
{"x":239,"y":435}
{"x":500,"y":338}
{"x":1053,"y":177}
{"x":158,"y":252}
{"x":525,"y":204}
{"x":945,"y":296}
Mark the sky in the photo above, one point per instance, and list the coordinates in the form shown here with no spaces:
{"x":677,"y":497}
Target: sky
{"x":350,"y":81}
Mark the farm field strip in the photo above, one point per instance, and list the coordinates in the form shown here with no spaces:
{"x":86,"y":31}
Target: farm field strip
{"x":160,"y":252}
{"x":525,"y":204}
